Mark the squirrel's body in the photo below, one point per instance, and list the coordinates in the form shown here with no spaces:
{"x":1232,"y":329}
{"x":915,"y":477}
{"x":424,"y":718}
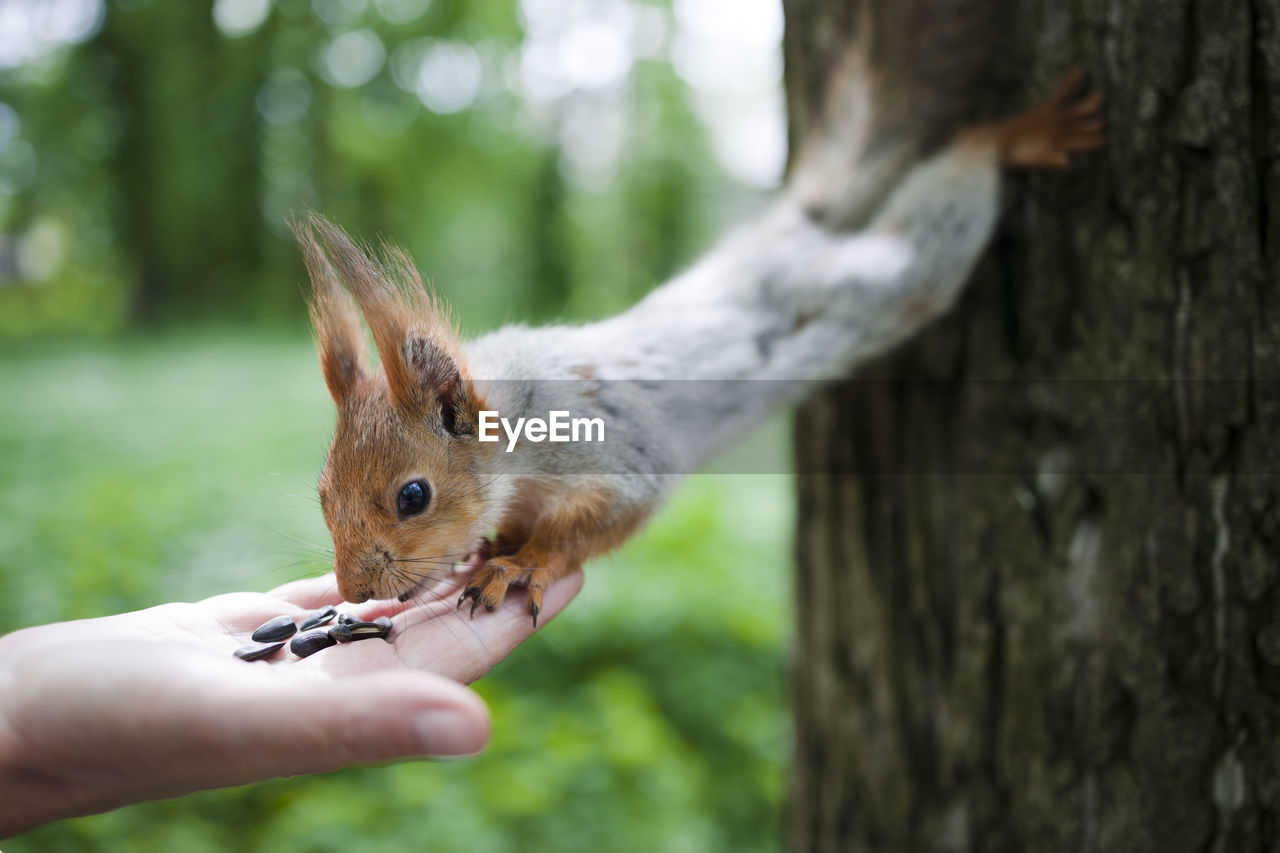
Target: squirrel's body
{"x":707,"y":356}
{"x":843,"y":265}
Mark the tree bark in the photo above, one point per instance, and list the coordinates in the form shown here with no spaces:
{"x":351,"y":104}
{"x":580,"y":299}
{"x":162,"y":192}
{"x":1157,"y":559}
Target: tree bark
{"x":1038,"y":581}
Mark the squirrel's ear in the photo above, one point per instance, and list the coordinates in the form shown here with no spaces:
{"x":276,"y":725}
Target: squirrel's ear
{"x":339,"y":336}
{"x":437,"y":383}
{"x":421,"y":353}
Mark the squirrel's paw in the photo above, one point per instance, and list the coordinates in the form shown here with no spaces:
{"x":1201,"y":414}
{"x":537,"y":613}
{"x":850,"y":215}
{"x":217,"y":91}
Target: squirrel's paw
{"x":488,"y":586}
{"x":1045,"y":137}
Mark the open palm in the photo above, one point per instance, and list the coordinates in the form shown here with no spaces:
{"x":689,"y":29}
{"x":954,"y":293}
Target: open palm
{"x":102,"y":712}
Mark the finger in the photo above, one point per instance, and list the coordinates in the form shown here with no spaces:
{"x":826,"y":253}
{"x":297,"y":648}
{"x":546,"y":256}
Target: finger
{"x":466,"y":649}
{"x":310,"y":593}
{"x":426,"y":604}
{"x":235,"y":612}
{"x":374,"y":717}
{"x":276,"y":721}
{"x":128,"y":707}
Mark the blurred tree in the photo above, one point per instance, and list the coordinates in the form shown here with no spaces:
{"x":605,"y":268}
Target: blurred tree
{"x":149,"y":166}
{"x":186,"y":169}
{"x":1038,"y":588}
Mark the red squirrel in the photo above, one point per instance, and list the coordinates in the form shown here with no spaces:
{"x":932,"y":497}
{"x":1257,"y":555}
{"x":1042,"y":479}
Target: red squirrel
{"x":863,"y":246}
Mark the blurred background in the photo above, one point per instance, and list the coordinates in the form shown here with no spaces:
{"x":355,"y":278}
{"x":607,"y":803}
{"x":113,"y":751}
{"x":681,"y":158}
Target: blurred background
{"x":162,"y":417}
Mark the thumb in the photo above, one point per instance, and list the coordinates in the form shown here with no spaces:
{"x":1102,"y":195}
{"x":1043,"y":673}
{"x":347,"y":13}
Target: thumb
{"x":115,"y":723}
{"x":317,"y":727}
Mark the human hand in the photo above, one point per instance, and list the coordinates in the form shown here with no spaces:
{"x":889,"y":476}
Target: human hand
{"x":99,"y":713}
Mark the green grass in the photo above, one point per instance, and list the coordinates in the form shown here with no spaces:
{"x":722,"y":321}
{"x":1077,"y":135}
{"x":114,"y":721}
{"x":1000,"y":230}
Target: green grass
{"x":650,"y":716}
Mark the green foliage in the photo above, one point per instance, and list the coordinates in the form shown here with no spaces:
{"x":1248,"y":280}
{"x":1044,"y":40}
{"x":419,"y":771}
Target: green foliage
{"x":147,"y":172}
{"x":649,"y":716}
{"x":147,"y":175}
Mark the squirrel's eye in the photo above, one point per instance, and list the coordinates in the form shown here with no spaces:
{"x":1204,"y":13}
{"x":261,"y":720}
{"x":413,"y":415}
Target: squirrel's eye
{"x":413,"y":498}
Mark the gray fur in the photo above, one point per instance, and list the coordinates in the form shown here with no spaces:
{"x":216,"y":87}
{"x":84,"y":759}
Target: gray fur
{"x":777,"y":307}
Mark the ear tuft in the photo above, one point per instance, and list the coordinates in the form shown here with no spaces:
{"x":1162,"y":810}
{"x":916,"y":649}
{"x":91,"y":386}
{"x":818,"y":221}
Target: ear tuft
{"x":335,"y":322}
{"x":420,"y":349}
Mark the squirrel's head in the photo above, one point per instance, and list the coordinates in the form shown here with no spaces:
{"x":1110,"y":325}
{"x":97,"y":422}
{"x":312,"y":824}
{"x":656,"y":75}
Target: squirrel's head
{"x":402,"y":490}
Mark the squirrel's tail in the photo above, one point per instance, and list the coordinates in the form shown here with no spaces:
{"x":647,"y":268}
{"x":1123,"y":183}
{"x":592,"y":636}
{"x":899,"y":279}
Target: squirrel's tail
{"x":899,"y":78}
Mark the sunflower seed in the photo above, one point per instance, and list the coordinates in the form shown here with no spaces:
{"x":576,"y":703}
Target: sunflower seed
{"x":258,"y":651}
{"x":275,"y":630}
{"x":323,"y":616}
{"x":347,"y":619}
{"x":310,"y":643}
{"x":369,"y":630}
{"x":340,"y":633}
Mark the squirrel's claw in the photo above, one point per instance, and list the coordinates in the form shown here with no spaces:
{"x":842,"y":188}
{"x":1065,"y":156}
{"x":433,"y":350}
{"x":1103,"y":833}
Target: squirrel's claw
{"x":474,"y":594}
{"x":537,"y":581}
{"x":462,"y":599}
{"x":488,"y":586}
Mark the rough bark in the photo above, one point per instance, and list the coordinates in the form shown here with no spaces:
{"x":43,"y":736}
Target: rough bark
{"x":1039,"y":571}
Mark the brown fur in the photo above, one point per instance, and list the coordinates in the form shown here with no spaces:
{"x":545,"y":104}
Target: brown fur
{"x":376,"y":449}
{"x":338,"y":334}
{"x":579,"y":526}
{"x":406,"y":421}
{"x":398,"y":423}
{"x":419,"y":346}
{"x":1046,"y":136}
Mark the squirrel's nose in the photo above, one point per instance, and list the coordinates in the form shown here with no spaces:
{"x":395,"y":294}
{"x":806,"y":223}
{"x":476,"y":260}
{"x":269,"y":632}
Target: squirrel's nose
{"x":351,"y":584}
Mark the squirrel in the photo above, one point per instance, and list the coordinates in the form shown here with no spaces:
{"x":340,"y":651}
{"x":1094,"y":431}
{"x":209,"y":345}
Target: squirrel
{"x":871,"y":238}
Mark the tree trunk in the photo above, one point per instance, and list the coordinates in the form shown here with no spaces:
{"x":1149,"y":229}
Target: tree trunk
{"x":1039,"y":547}
{"x":186,"y":168}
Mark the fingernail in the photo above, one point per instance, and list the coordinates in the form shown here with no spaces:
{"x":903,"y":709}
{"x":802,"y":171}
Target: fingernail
{"x":449,"y":732}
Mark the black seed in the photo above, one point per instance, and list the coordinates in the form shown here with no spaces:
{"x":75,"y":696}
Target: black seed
{"x":258,"y":651}
{"x":347,"y":619}
{"x":384,"y":621}
{"x":323,"y":616}
{"x":275,"y":630}
{"x":340,"y":633}
{"x":310,"y":643}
